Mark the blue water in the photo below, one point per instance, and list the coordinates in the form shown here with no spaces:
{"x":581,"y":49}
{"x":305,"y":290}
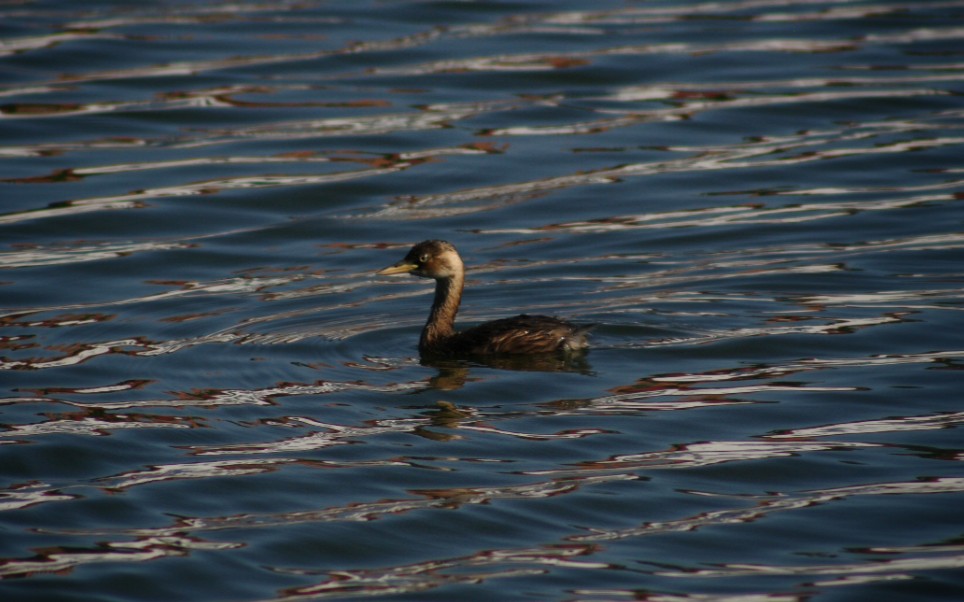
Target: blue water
{"x":207,"y":394}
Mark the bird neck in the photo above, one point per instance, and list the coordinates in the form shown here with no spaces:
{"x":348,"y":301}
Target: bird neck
{"x":441,"y":320}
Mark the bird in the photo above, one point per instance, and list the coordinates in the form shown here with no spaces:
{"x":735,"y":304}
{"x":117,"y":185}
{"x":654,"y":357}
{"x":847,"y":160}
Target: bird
{"x":520,"y":335}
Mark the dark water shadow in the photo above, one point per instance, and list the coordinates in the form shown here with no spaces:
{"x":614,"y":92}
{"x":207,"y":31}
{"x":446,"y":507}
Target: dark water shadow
{"x":454,"y":373}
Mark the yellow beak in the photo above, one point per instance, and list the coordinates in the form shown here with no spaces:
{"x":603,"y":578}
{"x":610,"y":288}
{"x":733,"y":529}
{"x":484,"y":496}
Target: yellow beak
{"x":401,"y":267}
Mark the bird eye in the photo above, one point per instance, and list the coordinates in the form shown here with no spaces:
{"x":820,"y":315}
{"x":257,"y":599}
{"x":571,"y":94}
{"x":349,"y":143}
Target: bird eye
{"x":423,"y":258}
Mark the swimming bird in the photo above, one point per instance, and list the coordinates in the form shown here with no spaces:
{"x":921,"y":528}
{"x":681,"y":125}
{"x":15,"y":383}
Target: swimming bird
{"x":523,"y":334}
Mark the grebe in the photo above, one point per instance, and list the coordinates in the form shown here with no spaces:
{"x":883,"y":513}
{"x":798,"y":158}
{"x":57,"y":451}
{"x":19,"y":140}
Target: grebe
{"x":523,"y":334}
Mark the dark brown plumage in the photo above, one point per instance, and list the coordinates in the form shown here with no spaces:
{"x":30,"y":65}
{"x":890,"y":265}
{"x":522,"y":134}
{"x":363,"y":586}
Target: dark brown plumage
{"x":523,"y":334}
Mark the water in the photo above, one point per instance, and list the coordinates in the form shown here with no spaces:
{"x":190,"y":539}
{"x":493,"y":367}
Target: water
{"x":208,"y":395}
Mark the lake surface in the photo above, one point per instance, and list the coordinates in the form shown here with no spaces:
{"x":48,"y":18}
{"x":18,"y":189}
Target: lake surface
{"x":207,"y":393}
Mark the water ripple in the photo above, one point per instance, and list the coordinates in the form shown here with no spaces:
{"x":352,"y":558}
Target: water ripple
{"x":210,"y":393}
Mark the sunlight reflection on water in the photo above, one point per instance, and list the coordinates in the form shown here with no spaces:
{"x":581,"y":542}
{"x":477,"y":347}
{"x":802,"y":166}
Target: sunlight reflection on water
{"x":208,"y":394}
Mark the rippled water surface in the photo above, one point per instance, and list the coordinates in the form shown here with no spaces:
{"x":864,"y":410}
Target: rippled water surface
{"x":207,"y":394}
